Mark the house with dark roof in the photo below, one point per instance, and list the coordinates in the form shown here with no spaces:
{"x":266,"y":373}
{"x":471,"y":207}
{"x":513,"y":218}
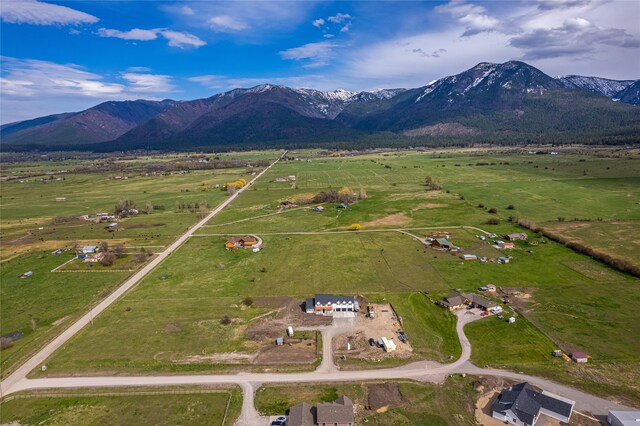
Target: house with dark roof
{"x":454,"y":301}
{"x":516,"y":236}
{"x":329,"y":304}
{"x":522,"y":405}
{"x":460,"y":300}
{"x":442,"y":242}
{"x":338,"y":413}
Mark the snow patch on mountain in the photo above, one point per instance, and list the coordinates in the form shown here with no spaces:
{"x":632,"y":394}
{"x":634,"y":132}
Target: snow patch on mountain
{"x":599,"y":85}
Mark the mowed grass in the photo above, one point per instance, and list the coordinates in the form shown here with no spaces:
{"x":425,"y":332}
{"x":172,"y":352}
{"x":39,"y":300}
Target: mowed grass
{"x":424,"y":404}
{"x":159,"y":409}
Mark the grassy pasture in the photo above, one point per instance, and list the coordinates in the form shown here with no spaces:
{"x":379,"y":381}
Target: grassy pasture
{"x":577,"y":302}
{"x":447,"y":404}
{"x":45,"y":297}
{"x":125,"y":409}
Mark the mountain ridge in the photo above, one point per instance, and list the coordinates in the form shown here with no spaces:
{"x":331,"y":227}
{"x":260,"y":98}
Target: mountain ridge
{"x":511,"y":98}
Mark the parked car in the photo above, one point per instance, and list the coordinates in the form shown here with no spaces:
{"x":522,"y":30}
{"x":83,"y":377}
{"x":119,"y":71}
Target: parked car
{"x":277,"y":423}
{"x":425,"y":292}
{"x":484,"y":314}
{"x":372,"y":341}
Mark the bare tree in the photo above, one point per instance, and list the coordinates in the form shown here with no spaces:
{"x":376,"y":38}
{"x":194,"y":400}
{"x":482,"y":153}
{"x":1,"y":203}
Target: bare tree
{"x":104,"y":247}
{"x":204,"y":210}
{"x":119,"y":250}
{"x":108,"y":259}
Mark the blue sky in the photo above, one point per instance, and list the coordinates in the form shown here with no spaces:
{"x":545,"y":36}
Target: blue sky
{"x":68,"y":56}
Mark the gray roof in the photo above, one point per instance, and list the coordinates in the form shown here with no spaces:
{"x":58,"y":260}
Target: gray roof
{"x":340,"y":411}
{"x":525,"y":403}
{"x":308,"y":304}
{"x":454,"y":300}
{"x":443,"y":241}
{"x":626,"y":418}
{"x":479,"y":300}
{"x":301,"y":415}
{"x":328,"y":299}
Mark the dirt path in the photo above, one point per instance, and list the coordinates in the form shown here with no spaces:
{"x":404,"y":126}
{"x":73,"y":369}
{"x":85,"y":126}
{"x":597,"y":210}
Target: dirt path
{"x":35,"y":361}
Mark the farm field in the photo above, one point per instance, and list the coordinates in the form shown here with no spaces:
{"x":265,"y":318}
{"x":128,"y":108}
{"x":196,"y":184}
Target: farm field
{"x":158,"y":408}
{"x":33,"y":225}
{"x":408,"y":403}
{"x":173,"y":318}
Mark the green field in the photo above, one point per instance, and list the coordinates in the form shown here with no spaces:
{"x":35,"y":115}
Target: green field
{"x":33,"y":224}
{"x":169,"y":408}
{"x":569,"y":300}
{"x":448,"y":404}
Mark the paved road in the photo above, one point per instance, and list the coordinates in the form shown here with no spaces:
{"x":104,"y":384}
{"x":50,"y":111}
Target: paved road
{"x":7,"y":385}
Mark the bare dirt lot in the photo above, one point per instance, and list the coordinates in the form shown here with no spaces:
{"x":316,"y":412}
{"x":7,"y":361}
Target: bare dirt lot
{"x":294,"y":351}
{"x":286,"y":312}
{"x":385,"y":324}
{"x":383,"y":396}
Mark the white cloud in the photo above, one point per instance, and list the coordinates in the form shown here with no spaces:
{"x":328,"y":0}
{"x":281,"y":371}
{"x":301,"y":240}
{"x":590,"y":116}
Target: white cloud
{"x":210,"y":81}
{"x":339,"y":18}
{"x":181,"y":40}
{"x":134,"y":34}
{"x":32,"y":88}
{"x":315,"y":54}
{"x":473,"y":17}
{"x":39,"y":13}
{"x":29,"y":77}
{"x":186,"y":10}
{"x":175,"y":38}
{"x":226,"y":23}
{"x":318,"y":23}
{"x":148,"y":83}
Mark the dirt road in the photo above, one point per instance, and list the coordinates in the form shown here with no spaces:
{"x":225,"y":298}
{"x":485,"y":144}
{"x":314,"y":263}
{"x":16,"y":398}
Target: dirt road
{"x":21,"y":372}
{"x":420,"y":371}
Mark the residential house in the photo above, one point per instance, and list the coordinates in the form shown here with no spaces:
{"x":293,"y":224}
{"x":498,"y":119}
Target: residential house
{"x":93,"y":257}
{"x":442,"y":242}
{"x":477,"y":301}
{"x":328,"y":304}
{"x":454,"y":301}
{"x":516,"y":236}
{"x":623,"y":418}
{"x":506,"y":245}
{"x":579,"y":357}
{"x":459,"y":301}
{"x":338,"y":413}
{"x":241,"y":242}
{"x":89,"y":249}
{"x":522,"y":405}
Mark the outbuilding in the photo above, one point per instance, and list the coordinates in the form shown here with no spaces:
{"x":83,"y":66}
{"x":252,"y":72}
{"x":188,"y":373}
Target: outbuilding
{"x":469,"y":257}
{"x":579,"y":357}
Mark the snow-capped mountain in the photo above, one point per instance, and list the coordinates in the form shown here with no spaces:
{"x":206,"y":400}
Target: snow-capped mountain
{"x":604,"y":86}
{"x":511,"y":98}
